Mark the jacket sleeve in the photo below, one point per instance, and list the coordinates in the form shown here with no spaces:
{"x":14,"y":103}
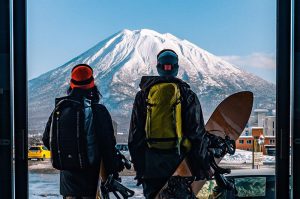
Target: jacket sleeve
{"x":106,"y":139}
{"x":136,"y":139}
{"x":193,"y":123}
{"x":46,"y":135}
{"x":194,"y":130}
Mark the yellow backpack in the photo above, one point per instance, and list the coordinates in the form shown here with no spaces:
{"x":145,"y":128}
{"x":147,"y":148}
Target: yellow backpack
{"x":163,"y":122}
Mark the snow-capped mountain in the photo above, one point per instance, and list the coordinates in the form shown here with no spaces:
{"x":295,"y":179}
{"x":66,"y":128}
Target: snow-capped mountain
{"x":122,"y":59}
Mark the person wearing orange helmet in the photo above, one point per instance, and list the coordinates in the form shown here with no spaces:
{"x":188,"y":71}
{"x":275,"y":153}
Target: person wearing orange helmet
{"x":80,"y":135}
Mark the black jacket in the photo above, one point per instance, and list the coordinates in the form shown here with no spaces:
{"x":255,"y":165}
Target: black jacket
{"x":84,"y":183}
{"x":150,"y":164}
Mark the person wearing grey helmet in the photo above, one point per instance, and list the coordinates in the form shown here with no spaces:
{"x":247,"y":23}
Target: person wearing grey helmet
{"x":166,"y":125}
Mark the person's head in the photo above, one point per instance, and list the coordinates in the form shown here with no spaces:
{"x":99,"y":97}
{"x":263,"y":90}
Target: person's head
{"x":82,"y":79}
{"x":167,"y":63}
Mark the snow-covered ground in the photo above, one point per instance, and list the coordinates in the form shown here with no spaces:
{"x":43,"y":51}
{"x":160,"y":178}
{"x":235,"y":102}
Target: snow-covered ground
{"x":47,"y":186}
{"x":43,"y":186}
{"x":44,"y":182}
{"x":242,"y":156}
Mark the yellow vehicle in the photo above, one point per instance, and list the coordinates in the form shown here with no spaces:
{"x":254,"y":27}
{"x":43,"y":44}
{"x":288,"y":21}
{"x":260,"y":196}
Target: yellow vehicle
{"x":38,"y":152}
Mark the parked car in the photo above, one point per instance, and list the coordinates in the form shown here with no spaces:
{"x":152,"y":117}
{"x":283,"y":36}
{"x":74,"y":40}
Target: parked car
{"x":249,"y":183}
{"x":39,"y":152}
{"x":122,"y":146}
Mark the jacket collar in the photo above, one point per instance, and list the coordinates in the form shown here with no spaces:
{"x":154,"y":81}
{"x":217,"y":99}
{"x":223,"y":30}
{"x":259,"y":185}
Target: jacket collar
{"x":148,"y":81}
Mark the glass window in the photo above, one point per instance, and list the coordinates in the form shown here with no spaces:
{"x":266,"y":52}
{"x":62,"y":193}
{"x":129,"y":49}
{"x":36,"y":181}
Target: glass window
{"x":207,"y":189}
{"x":246,"y":187}
{"x":206,"y":63}
{"x":250,"y":186}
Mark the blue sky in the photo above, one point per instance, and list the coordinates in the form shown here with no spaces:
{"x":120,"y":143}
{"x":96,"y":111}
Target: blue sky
{"x":241,"y":31}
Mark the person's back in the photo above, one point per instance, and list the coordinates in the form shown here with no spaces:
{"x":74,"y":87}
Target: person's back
{"x":154,"y":163}
{"x":82,"y":183}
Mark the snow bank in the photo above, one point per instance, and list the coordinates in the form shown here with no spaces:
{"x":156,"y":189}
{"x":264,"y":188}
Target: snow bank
{"x":242,"y":156}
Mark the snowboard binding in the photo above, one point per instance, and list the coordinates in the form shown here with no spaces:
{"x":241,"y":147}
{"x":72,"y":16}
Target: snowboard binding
{"x":219,"y":148}
{"x":178,"y":187}
{"x":112,"y":185}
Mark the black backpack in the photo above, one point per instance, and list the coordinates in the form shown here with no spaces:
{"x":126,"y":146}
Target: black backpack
{"x":73,"y":142}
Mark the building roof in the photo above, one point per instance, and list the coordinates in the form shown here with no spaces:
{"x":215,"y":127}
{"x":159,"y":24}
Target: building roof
{"x":246,"y":136}
{"x":257,"y":127}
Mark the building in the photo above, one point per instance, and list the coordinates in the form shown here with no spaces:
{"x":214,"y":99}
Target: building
{"x":246,"y":131}
{"x":246,"y":142}
{"x":269,"y":126}
{"x":258,"y":118}
{"x":269,"y":146}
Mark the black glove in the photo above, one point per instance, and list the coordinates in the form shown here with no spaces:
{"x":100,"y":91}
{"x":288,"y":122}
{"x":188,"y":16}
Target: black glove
{"x":117,"y":177}
{"x":220,"y":146}
{"x":119,"y":164}
{"x":205,"y":173}
{"x":139,"y":180}
{"x":198,"y":158}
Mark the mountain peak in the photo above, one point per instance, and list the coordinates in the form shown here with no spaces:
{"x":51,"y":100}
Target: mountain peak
{"x":120,"y":61}
{"x":143,"y":31}
{"x":147,"y":32}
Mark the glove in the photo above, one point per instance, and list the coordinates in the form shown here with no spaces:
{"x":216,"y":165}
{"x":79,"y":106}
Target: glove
{"x":139,"y":180}
{"x":117,"y":177}
{"x":119,"y":163}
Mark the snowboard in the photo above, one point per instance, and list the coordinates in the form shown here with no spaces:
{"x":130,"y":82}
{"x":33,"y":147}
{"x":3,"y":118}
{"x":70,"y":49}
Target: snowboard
{"x":108,"y":187}
{"x":102,"y":178}
{"x":228,"y":119}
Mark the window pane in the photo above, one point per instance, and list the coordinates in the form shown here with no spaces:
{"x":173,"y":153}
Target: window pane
{"x":250,"y":186}
{"x":223,"y":47}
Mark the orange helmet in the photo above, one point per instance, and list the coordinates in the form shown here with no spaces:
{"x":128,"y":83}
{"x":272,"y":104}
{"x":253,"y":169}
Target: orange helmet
{"x":82,"y":77}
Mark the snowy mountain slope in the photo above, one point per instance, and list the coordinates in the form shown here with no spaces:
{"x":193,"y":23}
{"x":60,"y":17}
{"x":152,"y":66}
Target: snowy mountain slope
{"x":119,"y":62}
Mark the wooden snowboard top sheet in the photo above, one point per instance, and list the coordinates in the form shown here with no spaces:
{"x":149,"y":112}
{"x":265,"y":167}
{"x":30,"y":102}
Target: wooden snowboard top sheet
{"x":229,"y":118}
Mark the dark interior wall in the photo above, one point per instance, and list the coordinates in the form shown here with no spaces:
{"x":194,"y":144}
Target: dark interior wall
{"x":283,"y":56}
{"x":20,"y":99}
{"x":5,"y":103}
{"x":296,"y":102}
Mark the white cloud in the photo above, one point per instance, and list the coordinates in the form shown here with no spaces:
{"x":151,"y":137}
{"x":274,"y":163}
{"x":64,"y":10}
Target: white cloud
{"x":256,"y":60}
